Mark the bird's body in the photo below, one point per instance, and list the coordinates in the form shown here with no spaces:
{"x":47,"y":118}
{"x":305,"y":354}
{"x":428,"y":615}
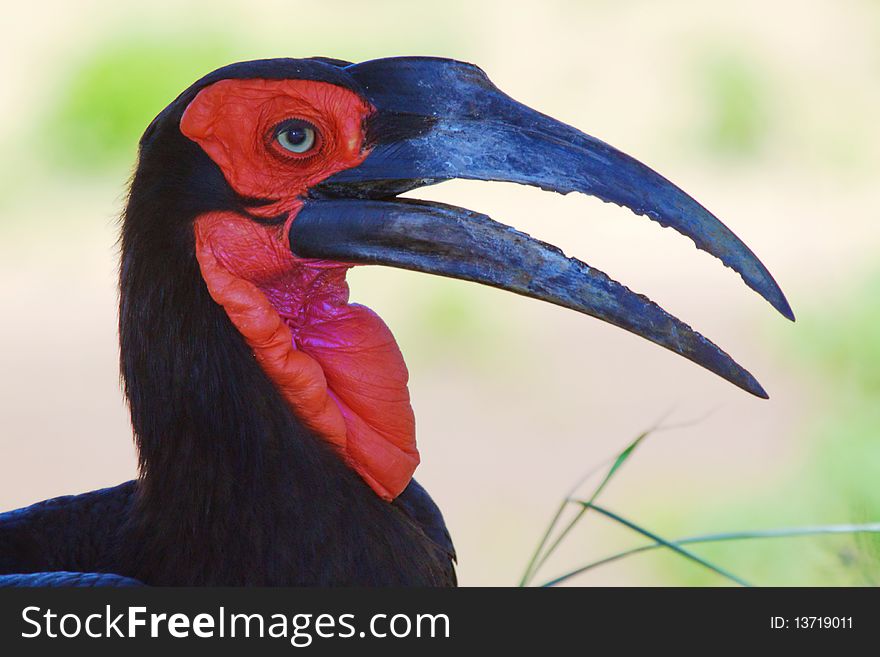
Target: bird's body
{"x":275,"y":435}
{"x":72,"y":540}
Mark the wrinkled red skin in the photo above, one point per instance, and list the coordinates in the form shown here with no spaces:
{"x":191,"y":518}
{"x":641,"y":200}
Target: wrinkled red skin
{"x":335,"y":363}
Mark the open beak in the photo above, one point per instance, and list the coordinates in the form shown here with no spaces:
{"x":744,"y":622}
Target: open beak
{"x":439,"y":119}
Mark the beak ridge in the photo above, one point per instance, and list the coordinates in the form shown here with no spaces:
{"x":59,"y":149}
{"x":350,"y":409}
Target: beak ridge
{"x":472,"y":130}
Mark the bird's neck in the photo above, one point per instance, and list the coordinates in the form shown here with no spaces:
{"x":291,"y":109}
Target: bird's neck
{"x":234,"y":489}
{"x":221,"y":456}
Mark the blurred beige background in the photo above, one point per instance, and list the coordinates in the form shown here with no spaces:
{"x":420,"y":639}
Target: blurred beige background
{"x":766,"y":112}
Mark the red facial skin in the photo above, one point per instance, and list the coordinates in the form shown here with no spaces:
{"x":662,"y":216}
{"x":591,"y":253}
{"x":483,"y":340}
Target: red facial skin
{"x":335,"y":363}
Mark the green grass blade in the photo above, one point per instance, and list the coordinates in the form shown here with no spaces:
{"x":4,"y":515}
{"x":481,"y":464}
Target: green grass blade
{"x":538,"y":559}
{"x":790,"y":532}
{"x":675,"y":547}
{"x":531,"y":567}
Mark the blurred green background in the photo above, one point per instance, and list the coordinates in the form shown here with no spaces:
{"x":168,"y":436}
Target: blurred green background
{"x":766,"y":112}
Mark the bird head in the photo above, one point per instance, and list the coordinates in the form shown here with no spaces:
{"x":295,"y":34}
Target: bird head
{"x":280,"y":175}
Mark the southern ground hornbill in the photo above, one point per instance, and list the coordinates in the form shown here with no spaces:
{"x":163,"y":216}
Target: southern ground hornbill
{"x":275,"y":435}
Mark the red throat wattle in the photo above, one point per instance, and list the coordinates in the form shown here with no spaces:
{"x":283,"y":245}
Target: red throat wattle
{"x":335,"y":363}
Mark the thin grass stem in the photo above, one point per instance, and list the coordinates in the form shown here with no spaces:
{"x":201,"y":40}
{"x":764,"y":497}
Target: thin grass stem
{"x":789,"y":532}
{"x":675,"y":547}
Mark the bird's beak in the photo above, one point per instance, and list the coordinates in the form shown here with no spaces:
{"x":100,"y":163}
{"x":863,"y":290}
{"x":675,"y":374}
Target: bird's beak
{"x":439,"y":119}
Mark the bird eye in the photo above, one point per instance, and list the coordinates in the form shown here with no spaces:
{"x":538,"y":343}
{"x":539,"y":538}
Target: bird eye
{"x":296,"y":136}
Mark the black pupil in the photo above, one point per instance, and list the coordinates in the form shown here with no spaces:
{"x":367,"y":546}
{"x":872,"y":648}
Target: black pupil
{"x":296,"y":136}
